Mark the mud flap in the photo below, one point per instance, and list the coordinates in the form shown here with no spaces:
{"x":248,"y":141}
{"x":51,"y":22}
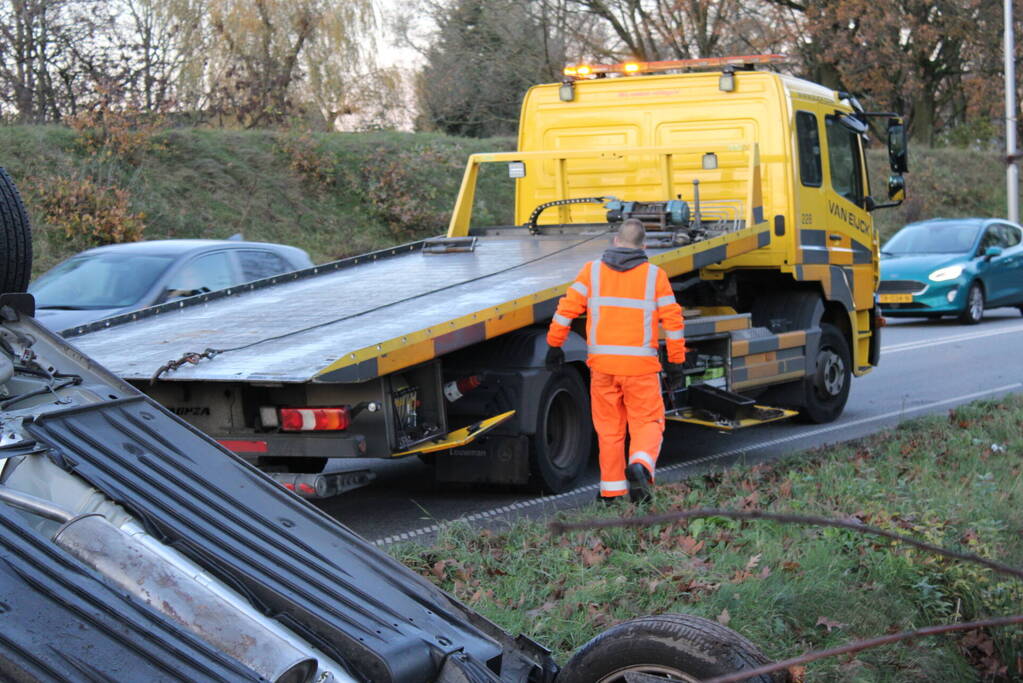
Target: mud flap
{"x":459,"y":437}
{"x":703,"y":418}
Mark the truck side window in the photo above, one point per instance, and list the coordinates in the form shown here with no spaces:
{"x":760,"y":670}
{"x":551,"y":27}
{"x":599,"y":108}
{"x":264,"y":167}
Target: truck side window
{"x":809,"y":140}
{"x":844,"y":161}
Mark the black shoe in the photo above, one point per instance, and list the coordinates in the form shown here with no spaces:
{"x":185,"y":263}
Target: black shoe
{"x":640,"y":486}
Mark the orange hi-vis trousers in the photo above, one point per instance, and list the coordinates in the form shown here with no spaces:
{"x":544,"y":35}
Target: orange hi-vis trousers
{"x":617,"y":402}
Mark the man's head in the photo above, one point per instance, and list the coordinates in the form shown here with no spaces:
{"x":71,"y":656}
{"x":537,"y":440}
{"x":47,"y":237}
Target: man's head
{"x":631,"y":234}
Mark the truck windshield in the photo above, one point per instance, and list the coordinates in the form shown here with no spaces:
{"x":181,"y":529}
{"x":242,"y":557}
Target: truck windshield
{"x":98,"y":281}
{"x":931,"y":238}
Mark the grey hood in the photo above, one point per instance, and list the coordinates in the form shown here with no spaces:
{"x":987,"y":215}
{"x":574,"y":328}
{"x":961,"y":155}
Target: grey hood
{"x":623,"y":258}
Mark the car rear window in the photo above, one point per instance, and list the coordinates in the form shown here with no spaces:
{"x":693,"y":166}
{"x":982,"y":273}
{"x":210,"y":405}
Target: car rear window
{"x":258,"y":264}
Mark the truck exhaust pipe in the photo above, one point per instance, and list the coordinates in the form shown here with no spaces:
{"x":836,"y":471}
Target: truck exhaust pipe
{"x":146,"y":576}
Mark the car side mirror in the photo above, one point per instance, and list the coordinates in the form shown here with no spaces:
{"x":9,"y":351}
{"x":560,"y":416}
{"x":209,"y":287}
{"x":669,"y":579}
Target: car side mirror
{"x":992,"y":252}
{"x":897,"y":146}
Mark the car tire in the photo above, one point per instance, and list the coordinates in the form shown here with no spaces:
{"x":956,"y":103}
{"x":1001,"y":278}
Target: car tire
{"x":826,"y":387}
{"x":15,"y":238}
{"x":562,"y":443}
{"x":973,"y":312}
{"x":673,"y":646}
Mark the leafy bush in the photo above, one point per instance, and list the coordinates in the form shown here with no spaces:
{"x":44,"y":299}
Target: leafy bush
{"x":124,"y":131}
{"x":85,"y":212}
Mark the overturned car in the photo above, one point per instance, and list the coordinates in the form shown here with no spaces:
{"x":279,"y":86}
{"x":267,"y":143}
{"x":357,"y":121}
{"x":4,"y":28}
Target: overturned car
{"x":134,"y":548}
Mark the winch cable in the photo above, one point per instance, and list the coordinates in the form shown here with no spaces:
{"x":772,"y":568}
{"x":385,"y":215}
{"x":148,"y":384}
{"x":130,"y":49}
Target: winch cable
{"x":193,"y":357}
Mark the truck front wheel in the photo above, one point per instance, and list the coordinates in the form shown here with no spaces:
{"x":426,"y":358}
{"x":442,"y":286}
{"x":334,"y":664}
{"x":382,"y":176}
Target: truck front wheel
{"x":563,"y":439}
{"x":826,"y":387}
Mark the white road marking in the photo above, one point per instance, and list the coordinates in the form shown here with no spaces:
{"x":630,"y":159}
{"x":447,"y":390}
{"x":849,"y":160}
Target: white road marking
{"x":690,"y":464}
{"x":925,"y":343}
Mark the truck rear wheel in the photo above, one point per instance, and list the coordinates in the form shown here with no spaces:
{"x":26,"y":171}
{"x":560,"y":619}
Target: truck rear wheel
{"x":561,"y":445}
{"x":670,"y":646}
{"x":15,"y":238}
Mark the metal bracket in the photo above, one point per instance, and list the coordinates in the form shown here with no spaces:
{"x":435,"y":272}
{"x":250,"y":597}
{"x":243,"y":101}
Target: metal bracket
{"x":447,"y":245}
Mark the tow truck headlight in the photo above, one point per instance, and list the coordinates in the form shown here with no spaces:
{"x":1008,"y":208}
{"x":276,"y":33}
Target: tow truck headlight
{"x":946,"y":273}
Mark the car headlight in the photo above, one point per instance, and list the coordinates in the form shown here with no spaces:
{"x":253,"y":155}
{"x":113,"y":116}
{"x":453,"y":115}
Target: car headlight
{"x":946,"y":273}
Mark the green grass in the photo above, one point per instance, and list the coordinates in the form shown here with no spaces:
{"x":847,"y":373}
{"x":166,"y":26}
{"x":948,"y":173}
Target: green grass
{"x":952,"y":480}
{"x":375,"y":189}
{"x":339,"y":194}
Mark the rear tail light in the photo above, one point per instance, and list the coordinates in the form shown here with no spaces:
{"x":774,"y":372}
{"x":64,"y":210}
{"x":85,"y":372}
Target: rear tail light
{"x":314,"y":419}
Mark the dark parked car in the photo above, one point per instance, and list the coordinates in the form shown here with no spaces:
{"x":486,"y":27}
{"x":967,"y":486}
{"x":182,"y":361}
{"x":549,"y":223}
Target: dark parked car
{"x":120,"y":278}
{"x":957,"y":266}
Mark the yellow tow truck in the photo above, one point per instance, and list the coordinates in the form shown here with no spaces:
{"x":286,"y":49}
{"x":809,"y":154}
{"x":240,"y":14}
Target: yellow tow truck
{"x":754,"y":190}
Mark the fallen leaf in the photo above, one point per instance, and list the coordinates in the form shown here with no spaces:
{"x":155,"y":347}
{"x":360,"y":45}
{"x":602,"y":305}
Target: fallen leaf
{"x":689,"y":545}
{"x":797,"y":674}
{"x":785,"y":490}
{"x":724,"y":617}
{"x":546,"y":607}
{"x":439,"y":567}
{"x":753,"y":562}
{"x":829,"y":623}
{"x":791,"y":566}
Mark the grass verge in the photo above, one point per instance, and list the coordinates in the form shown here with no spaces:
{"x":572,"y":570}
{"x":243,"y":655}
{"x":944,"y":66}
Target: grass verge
{"x":953,"y":480}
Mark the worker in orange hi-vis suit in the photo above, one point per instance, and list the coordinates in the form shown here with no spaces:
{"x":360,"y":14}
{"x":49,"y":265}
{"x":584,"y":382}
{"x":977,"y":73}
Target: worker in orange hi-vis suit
{"x":625,"y":298}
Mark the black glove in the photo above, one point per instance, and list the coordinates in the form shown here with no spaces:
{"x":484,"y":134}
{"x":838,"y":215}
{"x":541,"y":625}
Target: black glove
{"x":675,"y":374}
{"x":555,"y":358}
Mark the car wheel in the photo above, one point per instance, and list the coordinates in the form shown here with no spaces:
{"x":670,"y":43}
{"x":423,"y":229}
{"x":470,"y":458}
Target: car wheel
{"x":15,"y":238}
{"x":561,"y":445}
{"x":974,"y":311}
{"x":677,"y":647}
{"x":826,"y":388}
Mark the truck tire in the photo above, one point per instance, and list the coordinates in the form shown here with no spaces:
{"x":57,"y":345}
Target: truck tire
{"x":673,"y":646}
{"x":826,"y":386}
{"x":561,"y":445}
{"x":15,"y":238}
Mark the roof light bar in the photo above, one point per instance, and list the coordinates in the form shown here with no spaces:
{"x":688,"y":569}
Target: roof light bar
{"x":632,"y":68}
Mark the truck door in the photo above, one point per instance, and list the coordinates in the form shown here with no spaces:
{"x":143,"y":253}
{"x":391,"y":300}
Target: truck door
{"x":850,"y":234}
{"x":812,"y":213}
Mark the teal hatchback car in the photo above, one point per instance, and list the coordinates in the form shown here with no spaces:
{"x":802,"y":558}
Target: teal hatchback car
{"x":952,"y":266}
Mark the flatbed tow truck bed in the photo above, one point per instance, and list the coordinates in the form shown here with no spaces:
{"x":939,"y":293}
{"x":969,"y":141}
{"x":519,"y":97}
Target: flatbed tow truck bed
{"x":366,"y":316}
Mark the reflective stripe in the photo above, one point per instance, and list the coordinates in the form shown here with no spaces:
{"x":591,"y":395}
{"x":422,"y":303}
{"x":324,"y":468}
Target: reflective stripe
{"x":666,"y":300}
{"x":621,"y":302}
{"x":594,"y":316}
{"x":614,"y":486}
{"x":562,"y":320}
{"x":621,"y":350}
{"x":649,"y":296}
{"x":673,"y":334}
{"x":643,"y":457}
{"x":581,"y":288}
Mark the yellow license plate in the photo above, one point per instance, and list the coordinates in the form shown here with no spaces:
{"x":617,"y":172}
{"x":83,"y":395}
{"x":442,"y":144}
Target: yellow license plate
{"x":896,"y":298}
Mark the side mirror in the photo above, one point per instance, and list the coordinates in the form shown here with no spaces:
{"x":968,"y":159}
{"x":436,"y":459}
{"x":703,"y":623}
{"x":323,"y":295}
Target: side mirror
{"x":992,"y":252}
{"x":897,"y":146}
{"x":896,"y":188}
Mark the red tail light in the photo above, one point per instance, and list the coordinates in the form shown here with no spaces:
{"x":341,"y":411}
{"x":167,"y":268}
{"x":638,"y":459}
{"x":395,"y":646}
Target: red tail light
{"x":314,"y":419}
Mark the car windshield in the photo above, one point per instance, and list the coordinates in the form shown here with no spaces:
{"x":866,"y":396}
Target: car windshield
{"x":933,"y":238}
{"x":104,"y":280}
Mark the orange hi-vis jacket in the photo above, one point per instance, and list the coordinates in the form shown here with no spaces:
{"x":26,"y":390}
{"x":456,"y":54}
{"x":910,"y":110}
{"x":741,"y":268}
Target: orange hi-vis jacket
{"x":623,"y":311}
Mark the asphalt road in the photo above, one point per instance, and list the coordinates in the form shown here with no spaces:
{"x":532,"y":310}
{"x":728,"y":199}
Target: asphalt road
{"x":926,"y":367}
